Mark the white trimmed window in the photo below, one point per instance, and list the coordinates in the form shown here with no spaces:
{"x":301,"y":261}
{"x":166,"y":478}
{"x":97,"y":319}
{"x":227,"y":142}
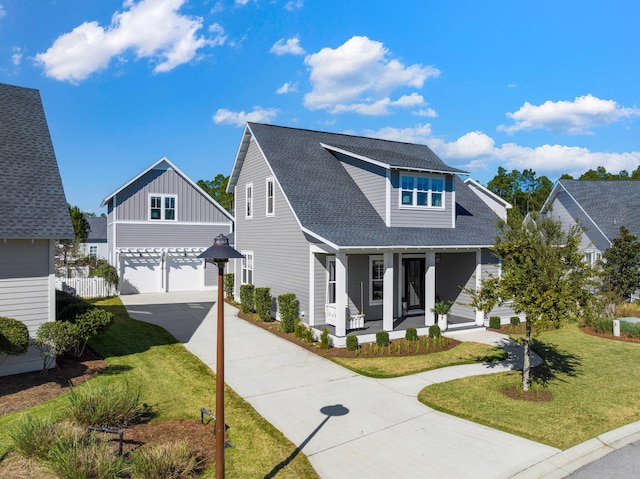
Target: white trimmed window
{"x":331,"y":280}
{"x":270,"y":201}
{"x":591,"y":257}
{"x":247,"y":267}
{"x":249,"y":200}
{"x":421,"y":191}
{"x":376,"y":277}
{"x":162,"y":207}
{"x":93,"y":251}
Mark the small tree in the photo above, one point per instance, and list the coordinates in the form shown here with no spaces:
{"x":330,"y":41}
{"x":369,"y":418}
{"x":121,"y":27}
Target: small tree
{"x":14,"y":338}
{"x":69,"y":248}
{"x":621,"y":268}
{"x":543,"y":276}
{"x":53,"y":339}
{"x":229,"y":284}
{"x":103,"y":269}
{"x":89,"y":325}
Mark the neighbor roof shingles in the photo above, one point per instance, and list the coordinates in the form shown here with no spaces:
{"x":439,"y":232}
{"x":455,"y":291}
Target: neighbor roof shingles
{"x":32,"y":201}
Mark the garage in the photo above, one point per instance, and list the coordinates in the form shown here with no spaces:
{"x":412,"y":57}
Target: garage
{"x":184,"y":273}
{"x":140,"y":274}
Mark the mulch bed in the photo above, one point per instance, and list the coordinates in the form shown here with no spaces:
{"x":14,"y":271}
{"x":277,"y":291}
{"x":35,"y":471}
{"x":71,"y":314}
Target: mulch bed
{"x":515,"y":392}
{"x":623,"y":337}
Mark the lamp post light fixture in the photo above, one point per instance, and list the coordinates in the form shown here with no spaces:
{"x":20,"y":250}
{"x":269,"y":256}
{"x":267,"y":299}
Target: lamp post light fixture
{"x":220,"y":253}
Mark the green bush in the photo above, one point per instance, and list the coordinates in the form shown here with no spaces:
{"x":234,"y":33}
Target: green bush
{"x":325,"y":341}
{"x":14,"y":338}
{"x":263,"y":303}
{"x":411,"y":334}
{"x":33,"y":436}
{"x":434,"y":331}
{"x":106,"y":271}
{"x":630,"y":329}
{"x":53,"y":339}
{"x":247,"y":298}
{"x":602,"y":324}
{"x":382,"y":338}
{"x":89,"y":325}
{"x":113,"y":405}
{"x":287,"y":307}
{"x":299,"y":329}
{"x":173,"y":460}
{"x":515,"y":321}
{"x":71,"y":311}
{"x":352,"y":342}
{"x":229,"y":284}
{"x":494,"y":322}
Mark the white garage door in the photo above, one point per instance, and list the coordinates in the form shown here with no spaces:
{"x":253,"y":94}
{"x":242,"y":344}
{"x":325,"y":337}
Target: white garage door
{"x":184,"y":274}
{"x":140,"y":275}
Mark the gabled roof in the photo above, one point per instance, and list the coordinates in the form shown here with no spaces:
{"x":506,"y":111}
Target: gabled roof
{"x":329,"y":205}
{"x":97,"y":228}
{"x":164,"y":163}
{"x":32,"y":201}
{"x":608,"y":203}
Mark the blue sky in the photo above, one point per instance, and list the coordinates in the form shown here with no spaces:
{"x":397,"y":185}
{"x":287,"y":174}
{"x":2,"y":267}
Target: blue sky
{"x":546,"y":85}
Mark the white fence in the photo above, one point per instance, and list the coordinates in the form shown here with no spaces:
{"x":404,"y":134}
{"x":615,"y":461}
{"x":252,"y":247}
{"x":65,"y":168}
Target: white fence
{"x":94,"y":287}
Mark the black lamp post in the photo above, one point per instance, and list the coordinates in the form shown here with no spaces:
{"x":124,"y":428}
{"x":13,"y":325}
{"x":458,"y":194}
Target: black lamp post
{"x":219,"y":254}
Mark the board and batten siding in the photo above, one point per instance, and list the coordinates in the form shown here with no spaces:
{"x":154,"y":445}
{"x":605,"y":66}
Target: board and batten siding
{"x":280,"y":249}
{"x":168,"y":235}
{"x":565,"y":209}
{"x":371,"y":180}
{"x":423,"y":218}
{"x":191,"y":205}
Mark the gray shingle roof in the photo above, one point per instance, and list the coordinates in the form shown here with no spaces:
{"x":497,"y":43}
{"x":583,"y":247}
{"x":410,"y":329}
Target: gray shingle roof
{"x":328,"y":202}
{"x":98,"y":228}
{"x":32,"y":201}
{"x":610,"y":204}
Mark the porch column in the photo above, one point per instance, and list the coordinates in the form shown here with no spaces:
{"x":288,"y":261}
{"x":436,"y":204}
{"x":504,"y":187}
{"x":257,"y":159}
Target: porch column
{"x":479,"y":313}
{"x":311,"y":314}
{"x":341,"y":294}
{"x":429,"y":287}
{"x":387,"y":293}
{"x":398,"y":277}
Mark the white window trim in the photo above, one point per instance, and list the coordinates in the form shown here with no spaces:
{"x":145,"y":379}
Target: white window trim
{"x":373,"y":258}
{"x":270,"y":181}
{"x":330,"y":259}
{"x":243,"y":267}
{"x":162,"y":197}
{"x":248,"y":201}
{"x":414,"y":205}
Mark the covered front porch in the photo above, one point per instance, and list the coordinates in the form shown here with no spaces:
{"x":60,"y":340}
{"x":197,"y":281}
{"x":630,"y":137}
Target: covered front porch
{"x":364,"y":292}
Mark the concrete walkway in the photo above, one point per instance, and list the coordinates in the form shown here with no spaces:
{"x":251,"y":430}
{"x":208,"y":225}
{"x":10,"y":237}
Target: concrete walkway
{"x":347,"y":425}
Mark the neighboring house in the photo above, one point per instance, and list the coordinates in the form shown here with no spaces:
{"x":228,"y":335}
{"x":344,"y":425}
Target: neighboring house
{"x":96,"y":243}
{"x":356,"y":225}
{"x":33,"y":214}
{"x":601,"y":207}
{"x":157,"y":224}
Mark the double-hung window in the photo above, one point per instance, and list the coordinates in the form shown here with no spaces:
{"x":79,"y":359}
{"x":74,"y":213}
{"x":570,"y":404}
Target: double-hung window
{"x":270,"y":193}
{"x":376,"y":277}
{"x":93,"y":251}
{"x":162,"y":207}
{"x":331,"y":280}
{"x":420,"y":191}
{"x":247,"y":267}
{"x":249,"y":201}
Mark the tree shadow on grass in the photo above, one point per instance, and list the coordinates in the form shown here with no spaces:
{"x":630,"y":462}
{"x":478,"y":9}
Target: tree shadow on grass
{"x":556,"y":365}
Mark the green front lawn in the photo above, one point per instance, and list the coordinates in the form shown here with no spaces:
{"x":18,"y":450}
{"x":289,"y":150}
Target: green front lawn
{"x":595,"y":384}
{"x":176,"y":385}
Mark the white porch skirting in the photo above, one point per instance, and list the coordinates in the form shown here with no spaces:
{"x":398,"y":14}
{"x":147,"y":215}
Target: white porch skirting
{"x":356,"y":321}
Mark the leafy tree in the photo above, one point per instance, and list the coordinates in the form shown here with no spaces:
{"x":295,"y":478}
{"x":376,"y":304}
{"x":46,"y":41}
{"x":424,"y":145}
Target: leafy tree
{"x":89,"y":325}
{"x":601,"y":173}
{"x":543,"y":276}
{"x":53,"y":339}
{"x":217,"y":189}
{"x":621,"y":268}
{"x":523,"y":190}
{"x":69,"y":248}
{"x":103,"y":269}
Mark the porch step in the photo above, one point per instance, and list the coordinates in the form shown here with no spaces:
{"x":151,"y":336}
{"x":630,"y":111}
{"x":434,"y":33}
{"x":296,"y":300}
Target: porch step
{"x":463,"y":326}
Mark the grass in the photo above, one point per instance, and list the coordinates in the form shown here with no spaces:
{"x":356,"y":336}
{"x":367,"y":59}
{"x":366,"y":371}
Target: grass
{"x":390,"y":367}
{"x":176,"y":384}
{"x":594,"y":383}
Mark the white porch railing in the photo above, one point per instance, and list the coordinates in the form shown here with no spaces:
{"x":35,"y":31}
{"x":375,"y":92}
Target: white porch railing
{"x":94,"y":287}
{"x":356,"y":321}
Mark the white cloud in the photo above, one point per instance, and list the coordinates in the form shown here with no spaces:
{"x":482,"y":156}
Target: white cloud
{"x":381,"y":107}
{"x":242,"y":2}
{"x":359,"y":73}
{"x":290,"y":46}
{"x":576,"y":117}
{"x":151,"y":28}
{"x":428,"y":112}
{"x":293,"y":5}
{"x":3,"y":12}
{"x":16,"y":56}
{"x":289,"y":87}
{"x":239,"y":118}
{"x":418,"y":134}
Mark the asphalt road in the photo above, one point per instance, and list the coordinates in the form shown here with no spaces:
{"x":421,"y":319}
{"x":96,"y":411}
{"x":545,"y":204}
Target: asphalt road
{"x":623,"y":463}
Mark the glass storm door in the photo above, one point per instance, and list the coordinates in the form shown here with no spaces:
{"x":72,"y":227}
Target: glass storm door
{"x":414,"y":283}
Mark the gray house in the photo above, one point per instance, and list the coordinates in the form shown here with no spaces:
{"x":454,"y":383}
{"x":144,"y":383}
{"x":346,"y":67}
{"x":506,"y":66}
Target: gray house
{"x":157,"y":224}
{"x":599,"y":206}
{"x":33,"y":214}
{"x":367,"y":233}
{"x":96,"y":243}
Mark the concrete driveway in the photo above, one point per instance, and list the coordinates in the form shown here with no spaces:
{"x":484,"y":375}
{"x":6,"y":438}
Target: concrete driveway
{"x":347,"y":425}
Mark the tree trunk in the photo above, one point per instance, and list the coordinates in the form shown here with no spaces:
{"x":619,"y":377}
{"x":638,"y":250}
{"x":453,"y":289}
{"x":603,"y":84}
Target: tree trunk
{"x":526,"y":366}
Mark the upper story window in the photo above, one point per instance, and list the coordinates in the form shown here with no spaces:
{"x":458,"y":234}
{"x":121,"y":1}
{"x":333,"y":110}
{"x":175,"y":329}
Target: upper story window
{"x":249,"y":200}
{"x":162,"y":207}
{"x":419,"y":191}
{"x":270,"y":189}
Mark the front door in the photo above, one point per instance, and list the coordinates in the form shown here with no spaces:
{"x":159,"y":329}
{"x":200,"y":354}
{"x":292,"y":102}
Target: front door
{"x":414,"y":283}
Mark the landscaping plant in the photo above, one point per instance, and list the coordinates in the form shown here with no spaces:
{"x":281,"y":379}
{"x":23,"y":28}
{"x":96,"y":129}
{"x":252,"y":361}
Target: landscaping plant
{"x":113,"y":405}
{"x":352,"y":342}
{"x":494,"y":322}
{"x":173,"y":460}
{"x":434,"y":331}
{"x":229,"y":284}
{"x":382,"y":338}
{"x":287,"y":307}
{"x":14,"y":338}
{"x":53,"y":339}
{"x":247,"y":299}
{"x":263,"y":303}
{"x":325,"y":341}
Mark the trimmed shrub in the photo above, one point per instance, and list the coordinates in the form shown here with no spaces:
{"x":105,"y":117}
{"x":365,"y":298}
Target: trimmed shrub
{"x":14,"y":338}
{"x":71,"y":311}
{"x":494,"y":322}
{"x":263,"y":303}
{"x":382,"y":338}
{"x":325,"y":341}
{"x":53,"y":339}
{"x":113,"y":405}
{"x":247,"y":298}
{"x":411,"y":334}
{"x":229,"y":284}
{"x":287,"y":306}
{"x":173,"y":460}
{"x":515,"y":321}
{"x":352,"y":342}
{"x":434,"y":331}
{"x":89,"y":325}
